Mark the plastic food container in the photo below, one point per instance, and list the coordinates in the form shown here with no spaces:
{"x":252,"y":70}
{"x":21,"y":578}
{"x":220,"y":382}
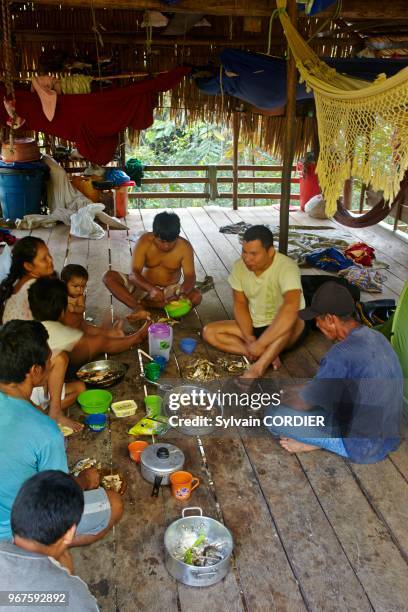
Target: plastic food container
{"x":96,"y":422}
{"x":152,"y":371}
{"x":162,"y":361}
{"x":188,"y":345}
{"x":178,"y":308}
{"x":160,"y":340}
{"x":94,"y":401}
{"x":124,"y":408}
{"x":153,"y":405}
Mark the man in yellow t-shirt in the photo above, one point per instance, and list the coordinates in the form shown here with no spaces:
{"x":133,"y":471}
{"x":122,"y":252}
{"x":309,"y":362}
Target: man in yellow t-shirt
{"x":267,"y":298}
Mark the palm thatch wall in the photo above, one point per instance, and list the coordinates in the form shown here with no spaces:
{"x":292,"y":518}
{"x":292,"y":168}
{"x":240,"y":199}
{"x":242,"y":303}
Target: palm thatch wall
{"x":43,"y":35}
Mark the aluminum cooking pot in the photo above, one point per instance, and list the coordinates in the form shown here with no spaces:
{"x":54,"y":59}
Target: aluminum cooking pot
{"x":158,"y":461}
{"x":182,"y":534}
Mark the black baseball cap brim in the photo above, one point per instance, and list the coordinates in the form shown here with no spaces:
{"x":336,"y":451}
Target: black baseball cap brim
{"x":307,"y":314}
{"x":330,"y":298}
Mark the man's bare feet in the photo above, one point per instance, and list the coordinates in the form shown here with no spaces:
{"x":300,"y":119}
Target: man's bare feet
{"x":255,"y":371}
{"x":61,"y":419}
{"x":293,"y":446}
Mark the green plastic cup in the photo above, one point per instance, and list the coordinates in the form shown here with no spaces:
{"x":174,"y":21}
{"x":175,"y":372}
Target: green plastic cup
{"x":153,"y":405}
{"x":152,"y":371}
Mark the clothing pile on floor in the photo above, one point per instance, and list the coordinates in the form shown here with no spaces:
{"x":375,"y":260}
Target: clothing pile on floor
{"x":310,"y":246}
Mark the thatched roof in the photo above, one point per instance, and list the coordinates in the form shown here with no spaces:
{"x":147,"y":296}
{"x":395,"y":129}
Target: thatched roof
{"x":50,"y":31}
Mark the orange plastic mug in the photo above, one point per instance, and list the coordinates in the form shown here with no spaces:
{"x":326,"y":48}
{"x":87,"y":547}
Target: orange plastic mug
{"x":182,"y":484}
{"x":136,"y":449}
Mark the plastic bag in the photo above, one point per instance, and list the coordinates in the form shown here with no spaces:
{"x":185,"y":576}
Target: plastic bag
{"x":5,"y":261}
{"x":329,"y":259}
{"x":83,"y":224}
{"x":315,"y":207}
{"x":149,"y":427}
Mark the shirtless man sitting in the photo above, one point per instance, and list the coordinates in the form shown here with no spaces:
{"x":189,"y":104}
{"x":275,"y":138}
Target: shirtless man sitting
{"x":159,"y":259}
{"x":267,"y":297}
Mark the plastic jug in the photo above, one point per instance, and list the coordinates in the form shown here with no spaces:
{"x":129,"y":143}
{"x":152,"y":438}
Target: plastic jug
{"x":160,"y":340}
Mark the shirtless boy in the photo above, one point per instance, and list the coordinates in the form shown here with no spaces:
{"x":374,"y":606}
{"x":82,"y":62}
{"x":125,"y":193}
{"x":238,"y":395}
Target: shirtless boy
{"x":160,"y":258}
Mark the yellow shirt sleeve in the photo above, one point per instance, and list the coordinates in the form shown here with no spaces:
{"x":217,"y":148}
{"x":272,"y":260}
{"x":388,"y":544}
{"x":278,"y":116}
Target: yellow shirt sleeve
{"x":235,"y":278}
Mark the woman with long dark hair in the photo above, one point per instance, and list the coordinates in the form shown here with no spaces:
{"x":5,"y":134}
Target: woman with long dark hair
{"x":31,"y":260}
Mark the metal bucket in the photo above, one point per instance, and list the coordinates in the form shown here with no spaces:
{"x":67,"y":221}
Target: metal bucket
{"x":183,"y":533}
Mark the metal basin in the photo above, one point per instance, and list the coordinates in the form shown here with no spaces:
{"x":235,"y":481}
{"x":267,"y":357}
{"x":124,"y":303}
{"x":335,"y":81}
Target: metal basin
{"x":181,"y":534}
{"x":103,"y":373}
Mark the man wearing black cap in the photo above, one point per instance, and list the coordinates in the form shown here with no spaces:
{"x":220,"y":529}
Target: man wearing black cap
{"x":357,"y":389}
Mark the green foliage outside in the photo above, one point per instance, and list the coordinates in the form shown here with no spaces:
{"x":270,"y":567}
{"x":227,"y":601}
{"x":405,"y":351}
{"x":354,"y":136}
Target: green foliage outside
{"x":168,"y":143}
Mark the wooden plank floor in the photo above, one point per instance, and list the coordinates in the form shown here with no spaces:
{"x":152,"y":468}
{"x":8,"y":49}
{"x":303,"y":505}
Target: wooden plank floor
{"x":311,"y":532}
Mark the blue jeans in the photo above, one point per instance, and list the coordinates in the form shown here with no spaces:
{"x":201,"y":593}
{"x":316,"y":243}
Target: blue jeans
{"x":326,"y":437}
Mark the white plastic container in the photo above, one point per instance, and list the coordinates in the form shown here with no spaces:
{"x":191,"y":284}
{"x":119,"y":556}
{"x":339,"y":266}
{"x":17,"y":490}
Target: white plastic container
{"x":160,"y":340}
{"x":124,"y":408}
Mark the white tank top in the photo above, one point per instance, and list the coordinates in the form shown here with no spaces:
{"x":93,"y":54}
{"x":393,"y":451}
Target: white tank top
{"x":17,"y":306}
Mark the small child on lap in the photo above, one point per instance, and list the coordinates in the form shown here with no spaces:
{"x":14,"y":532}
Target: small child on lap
{"x":76,"y":278}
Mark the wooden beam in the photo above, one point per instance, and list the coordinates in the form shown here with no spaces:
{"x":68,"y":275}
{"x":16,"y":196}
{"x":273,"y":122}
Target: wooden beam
{"x":203,"y":180}
{"x":196,"y":168}
{"x":351,"y":9}
{"x":236,"y":124}
{"x":132,"y":40}
{"x":237,"y":8}
{"x":289,"y":144}
{"x":192,"y":195}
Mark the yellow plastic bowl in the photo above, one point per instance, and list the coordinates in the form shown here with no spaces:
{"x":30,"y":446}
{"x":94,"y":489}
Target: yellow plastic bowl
{"x":178,"y":308}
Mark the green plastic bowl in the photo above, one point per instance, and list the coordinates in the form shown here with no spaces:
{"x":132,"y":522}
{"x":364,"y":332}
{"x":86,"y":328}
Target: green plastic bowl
{"x":178,"y":308}
{"x":95,"y":401}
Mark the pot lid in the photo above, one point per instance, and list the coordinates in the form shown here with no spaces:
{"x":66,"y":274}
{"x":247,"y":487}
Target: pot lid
{"x":163,"y":458}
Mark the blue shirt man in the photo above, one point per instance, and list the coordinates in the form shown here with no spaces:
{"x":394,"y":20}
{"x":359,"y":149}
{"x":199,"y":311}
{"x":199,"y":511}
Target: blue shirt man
{"x":30,"y":442}
{"x":358,"y":387}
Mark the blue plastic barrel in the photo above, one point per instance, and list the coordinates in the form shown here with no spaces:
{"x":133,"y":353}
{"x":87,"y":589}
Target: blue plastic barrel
{"x":21,"y":192}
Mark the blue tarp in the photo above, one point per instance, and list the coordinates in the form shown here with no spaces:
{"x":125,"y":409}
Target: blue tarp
{"x":318,"y":5}
{"x":261,"y":79}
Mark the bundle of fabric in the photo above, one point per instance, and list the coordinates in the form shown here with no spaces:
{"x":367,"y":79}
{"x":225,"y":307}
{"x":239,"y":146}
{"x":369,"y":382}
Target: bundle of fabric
{"x":261,"y":80}
{"x":134,"y":168}
{"x":93,"y":121}
{"x":364,"y":279}
{"x":331,"y":260}
{"x":361,"y":253}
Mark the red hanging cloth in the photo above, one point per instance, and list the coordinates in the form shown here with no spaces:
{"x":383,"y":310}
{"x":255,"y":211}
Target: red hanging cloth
{"x":93,"y":121}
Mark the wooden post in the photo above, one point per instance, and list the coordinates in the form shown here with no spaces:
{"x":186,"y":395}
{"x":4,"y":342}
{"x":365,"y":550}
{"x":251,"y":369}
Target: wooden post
{"x":348,"y":193}
{"x":290,"y":131}
{"x":236,"y":127}
{"x":122,"y":150}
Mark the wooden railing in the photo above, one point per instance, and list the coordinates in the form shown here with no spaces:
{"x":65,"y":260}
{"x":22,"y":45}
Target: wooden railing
{"x":140,"y":194}
{"x":221,"y":180}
